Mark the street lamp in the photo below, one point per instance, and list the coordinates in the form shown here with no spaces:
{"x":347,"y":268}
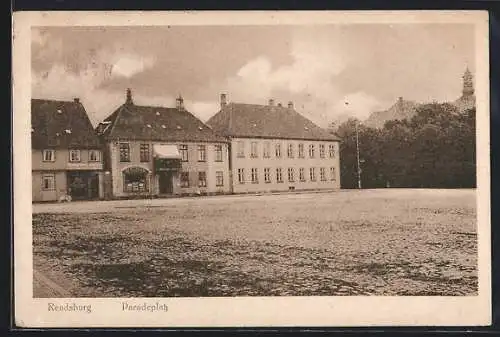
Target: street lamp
{"x":357,"y":156}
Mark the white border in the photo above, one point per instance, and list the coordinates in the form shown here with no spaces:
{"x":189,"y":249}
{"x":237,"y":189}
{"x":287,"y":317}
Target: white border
{"x":251,"y":311}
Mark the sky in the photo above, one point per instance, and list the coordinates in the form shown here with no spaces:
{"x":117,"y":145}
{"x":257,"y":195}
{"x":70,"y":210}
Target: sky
{"x":327,"y":71}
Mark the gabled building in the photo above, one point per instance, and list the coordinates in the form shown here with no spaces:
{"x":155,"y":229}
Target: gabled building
{"x":159,"y":151}
{"x":66,"y":152}
{"x":275,"y":148}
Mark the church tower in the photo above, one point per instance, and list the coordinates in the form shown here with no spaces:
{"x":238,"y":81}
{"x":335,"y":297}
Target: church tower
{"x":468,"y":89}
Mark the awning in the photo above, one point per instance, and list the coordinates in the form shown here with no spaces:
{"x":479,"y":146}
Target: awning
{"x":166,"y":151}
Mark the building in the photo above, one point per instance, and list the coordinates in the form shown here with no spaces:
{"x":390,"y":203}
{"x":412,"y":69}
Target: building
{"x":467,"y":100}
{"x":274,"y":148}
{"x":158,"y":151}
{"x":66,"y":156}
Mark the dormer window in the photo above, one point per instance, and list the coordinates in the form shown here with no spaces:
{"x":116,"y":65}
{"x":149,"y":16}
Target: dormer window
{"x":59,"y":111}
{"x":148,"y":125}
{"x":178,"y":127}
{"x":157,"y":113}
{"x":200,"y":128}
{"x":32,"y":130}
{"x":163,"y":126}
{"x":68,"y":131}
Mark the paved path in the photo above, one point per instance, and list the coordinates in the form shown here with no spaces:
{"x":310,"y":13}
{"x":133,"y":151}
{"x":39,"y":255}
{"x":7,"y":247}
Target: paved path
{"x":114,"y":205}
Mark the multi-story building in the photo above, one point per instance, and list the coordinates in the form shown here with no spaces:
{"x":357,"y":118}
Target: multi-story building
{"x":158,"y":151}
{"x":274,"y":148}
{"x":66,"y":152}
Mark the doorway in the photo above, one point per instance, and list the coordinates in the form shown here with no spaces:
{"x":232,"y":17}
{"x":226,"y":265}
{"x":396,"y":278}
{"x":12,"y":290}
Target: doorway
{"x":165,"y":182}
{"x":83,"y":185}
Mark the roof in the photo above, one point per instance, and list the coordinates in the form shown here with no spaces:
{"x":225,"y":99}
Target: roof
{"x":61,"y":124}
{"x":135,"y":122}
{"x":266,"y":121}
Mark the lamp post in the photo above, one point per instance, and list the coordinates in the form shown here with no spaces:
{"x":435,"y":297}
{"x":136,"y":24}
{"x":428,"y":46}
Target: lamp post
{"x":357,"y":156}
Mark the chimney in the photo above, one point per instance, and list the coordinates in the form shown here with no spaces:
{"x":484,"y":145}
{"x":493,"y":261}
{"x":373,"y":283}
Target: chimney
{"x":76,"y":100}
{"x":129,"y":97}
{"x":400,"y":99}
{"x":271,"y":102}
{"x":179,"y":103}
{"x":290,"y":105}
{"x":223,"y":101}
{"x":279,"y":104}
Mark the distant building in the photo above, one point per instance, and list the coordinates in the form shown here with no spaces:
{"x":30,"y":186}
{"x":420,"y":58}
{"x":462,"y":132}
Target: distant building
{"x":274,"y":148}
{"x":467,"y":100}
{"x":66,"y":152}
{"x":159,"y":151}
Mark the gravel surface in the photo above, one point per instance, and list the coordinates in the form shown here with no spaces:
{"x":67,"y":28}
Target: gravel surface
{"x":373,"y":242}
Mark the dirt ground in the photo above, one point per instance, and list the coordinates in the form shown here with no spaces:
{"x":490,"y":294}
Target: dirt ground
{"x":369,"y":242}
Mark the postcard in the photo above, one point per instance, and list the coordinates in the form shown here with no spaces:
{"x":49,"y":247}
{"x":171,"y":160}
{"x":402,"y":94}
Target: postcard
{"x":251,"y":169}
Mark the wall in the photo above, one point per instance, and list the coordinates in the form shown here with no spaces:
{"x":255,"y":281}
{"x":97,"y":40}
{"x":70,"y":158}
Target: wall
{"x":62,"y":162}
{"x":247,"y":163}
{"x":210,"y":166}
{"x":53,"y":195}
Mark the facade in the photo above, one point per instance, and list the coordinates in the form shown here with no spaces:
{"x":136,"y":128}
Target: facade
{"x":274,"y":148}
{"x":66,"y":152}
{"x":158,"y":151}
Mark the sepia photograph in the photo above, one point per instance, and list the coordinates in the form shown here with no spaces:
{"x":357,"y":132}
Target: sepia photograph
{"x":190,"y":157}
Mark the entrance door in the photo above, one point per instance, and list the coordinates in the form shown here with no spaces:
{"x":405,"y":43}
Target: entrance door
{"x":78,"y":185}
{"x":94,"y":186}
{"x":165,"y":182}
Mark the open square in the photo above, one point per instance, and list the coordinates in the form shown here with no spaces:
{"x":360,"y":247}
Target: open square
{"x":419,"y":242}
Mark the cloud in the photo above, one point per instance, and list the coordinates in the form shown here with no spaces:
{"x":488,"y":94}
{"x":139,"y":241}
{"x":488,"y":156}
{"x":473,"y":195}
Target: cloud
{"x":358,"y":104}
{"x":129,"y":65}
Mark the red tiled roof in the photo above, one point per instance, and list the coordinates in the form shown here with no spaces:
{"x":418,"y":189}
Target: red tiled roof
{"x":61,"y":124}
{"x":135,"y":122}
{"x":266,"y":121}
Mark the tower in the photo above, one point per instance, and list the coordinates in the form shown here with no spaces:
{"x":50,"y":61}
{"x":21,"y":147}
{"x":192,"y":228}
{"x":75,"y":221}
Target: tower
{"x":468,"y":85}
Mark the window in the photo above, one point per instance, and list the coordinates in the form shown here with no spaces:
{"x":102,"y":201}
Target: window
{"x":183,"y":149}
{"x":219,"y":178}
{"x":255,"y":176}
{"x":202,"y":153}
{"x":322,"y":174}
{"x":278,"y":150}
{"x":311,"y":150}
{"x":290,"y":151}
{"x":322,"y":150}
{"x":124,"y":152}
{"x":202,"y":179}
{"x":135,"y":180}
{"x":267,"y":175}
{"x":48,"y":182}
{"x":333,"y":175}
{"x":301,"y":150}
{"x":279,"y":176}
{"x":184,"y":179}
{"x":291,"y":174}
{"x":49,"y":155}
{"x":312,"y":174}
{"x":144,"y":150}
{"x":267,"y":150}
{"x":241,"y":149}
{"x":302,"y":176}
{"x":74,"y":155}
{"x":331,"y":150}
{"x":94,"y":155}
{"x":241,"y":176}
{"x":253,"y":150}
{"x":218,"y":152}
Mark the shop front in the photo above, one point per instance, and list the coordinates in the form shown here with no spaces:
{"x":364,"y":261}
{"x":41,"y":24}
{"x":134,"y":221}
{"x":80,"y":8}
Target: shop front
{"x":167,"y":165}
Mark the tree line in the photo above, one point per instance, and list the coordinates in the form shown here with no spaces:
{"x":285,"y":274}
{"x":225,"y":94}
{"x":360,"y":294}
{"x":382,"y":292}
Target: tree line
{"x":433,"y":149}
